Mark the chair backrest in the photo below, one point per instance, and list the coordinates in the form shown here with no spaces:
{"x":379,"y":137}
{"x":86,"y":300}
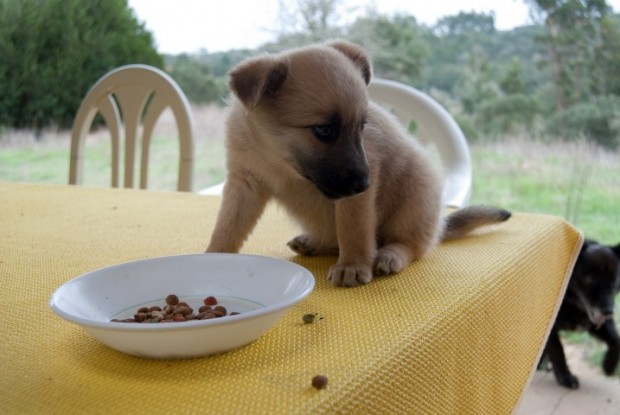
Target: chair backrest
{"x":130,"y":99}
{"x":434,"y":125}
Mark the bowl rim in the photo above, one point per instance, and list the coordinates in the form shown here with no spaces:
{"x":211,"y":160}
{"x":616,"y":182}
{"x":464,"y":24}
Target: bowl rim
{"x":193,"y":324}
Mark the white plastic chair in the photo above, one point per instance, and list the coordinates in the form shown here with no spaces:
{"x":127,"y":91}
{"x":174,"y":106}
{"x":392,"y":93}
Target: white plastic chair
{"x":434,"y":126}
{"x":131,"y":98}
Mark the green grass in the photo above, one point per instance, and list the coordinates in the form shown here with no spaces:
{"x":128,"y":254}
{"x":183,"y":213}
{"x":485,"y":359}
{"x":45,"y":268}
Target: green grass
{"x":48,"y":162}
{"x":575,"y":181}
{"x":33,"y":164}
{"x":578,"y":182}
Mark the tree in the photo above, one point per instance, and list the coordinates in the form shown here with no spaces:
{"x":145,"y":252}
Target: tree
{"x":396,"y":45}
{"x":512,"y":109}
{"x":512,"y":81}
{"x":195,"y":78}
{"x":465,"y":23}
{"x":450,"y":40}
{"x":477,"y":85}
{"x":606,"y":69}
{"x":315,"y":20}
{"x":52,"y":51}
{"x":573,"y":37}
{"x":583,"y":42}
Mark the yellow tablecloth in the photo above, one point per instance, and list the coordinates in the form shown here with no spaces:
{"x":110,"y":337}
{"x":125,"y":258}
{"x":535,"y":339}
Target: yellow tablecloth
{"x":458,"y":332}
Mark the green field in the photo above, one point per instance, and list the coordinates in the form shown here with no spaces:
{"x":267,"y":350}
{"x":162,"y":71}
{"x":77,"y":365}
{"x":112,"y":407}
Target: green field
{"x":576,"y":181}
{"x":48,"y":162}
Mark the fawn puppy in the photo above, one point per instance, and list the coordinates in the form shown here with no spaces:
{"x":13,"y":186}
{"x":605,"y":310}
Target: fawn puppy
{"x":302,"y":131}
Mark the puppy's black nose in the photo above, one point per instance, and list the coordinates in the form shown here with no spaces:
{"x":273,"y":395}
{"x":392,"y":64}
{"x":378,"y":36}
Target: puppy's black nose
{"x":360,"y":185}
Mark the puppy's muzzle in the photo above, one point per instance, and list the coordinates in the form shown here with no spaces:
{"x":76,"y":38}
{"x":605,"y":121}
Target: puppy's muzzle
{"x":342,"y":184}
{"x":352,"y":184}
{"x":337,"y":174}
{"x":360,"y":185}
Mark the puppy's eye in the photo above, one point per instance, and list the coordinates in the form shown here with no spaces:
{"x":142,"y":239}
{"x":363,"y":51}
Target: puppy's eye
{"x":326,"y":133}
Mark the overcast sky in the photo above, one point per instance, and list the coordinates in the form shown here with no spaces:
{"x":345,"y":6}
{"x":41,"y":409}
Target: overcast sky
{"x":220,"y":25}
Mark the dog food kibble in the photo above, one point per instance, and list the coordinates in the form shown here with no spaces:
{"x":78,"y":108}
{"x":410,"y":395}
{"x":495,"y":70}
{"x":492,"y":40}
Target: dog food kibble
{"x":210,"y":301}
{"x":319,"y":381}
{"x":177,"y":311}
{"x":172,"y":300}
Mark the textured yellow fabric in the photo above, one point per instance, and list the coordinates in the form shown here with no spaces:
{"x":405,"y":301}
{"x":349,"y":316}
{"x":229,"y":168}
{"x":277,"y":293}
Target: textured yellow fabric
{"x":457,"y":332}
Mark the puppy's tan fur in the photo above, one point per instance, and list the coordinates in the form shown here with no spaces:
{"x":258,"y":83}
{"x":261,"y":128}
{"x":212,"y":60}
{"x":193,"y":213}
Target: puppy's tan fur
{"x":302,"y":131}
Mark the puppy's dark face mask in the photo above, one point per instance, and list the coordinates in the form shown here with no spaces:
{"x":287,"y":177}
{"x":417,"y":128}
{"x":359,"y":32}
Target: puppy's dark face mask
{"x":339,"y":168}
{"x":313,"y":105}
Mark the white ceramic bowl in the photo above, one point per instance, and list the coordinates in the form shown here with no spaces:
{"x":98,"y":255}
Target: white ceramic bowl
{"x":262,"y":289}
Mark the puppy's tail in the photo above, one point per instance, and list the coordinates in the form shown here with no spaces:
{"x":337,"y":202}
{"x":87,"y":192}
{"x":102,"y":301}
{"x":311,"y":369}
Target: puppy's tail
{"x":463,"y":221}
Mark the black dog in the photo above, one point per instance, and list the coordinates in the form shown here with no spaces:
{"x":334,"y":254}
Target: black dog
{"x":588,"y":305}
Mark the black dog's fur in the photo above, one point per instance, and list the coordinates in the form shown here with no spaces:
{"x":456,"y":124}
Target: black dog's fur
{"x":588,"y":305}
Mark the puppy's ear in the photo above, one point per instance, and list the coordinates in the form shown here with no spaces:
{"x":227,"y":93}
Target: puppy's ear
{"x":357,"y":55}
{"x":616,"y":250}
{"x":256,"y":78}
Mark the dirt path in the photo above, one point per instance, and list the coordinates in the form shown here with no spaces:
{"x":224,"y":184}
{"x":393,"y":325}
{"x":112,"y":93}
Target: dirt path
{"x":597,"y":394}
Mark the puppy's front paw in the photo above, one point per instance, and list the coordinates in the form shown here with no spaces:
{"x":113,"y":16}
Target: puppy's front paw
{"x":350,"y":275}
{"x":303,"y":245}
{"x":306,"y":245}
{"x":388,"y":262}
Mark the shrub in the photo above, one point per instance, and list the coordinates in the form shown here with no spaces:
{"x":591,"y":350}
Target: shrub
{"x":196,"y":80}
{"x":506,"y":114}
{"x":468,"y":127}
{"x":597,"y":120}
